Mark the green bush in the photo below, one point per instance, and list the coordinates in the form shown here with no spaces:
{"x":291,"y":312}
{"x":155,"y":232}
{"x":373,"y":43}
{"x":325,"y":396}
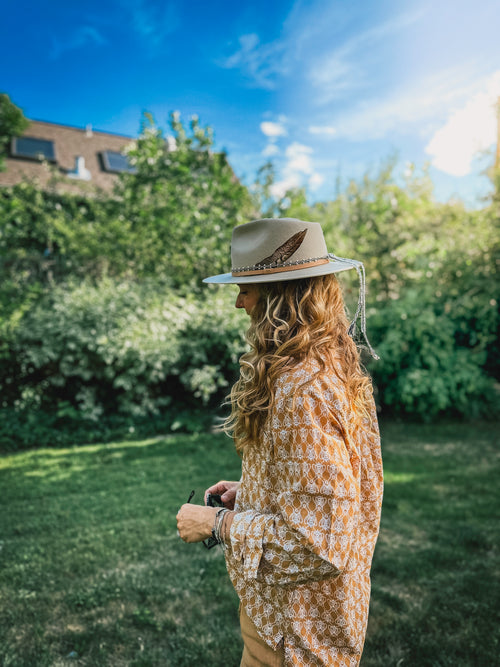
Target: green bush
{"x":171,"y":220}
{"x":432,"y":290}
{"x":142,"y":339}
{"x":28,"y":427}
{"x":182,"y":203}
{"x":126,"y":349}
{"x":422,"y":370}
{"x":12,"y":123}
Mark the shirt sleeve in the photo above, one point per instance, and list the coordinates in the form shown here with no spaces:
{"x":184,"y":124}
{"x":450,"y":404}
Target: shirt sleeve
{"x":317,"y":495}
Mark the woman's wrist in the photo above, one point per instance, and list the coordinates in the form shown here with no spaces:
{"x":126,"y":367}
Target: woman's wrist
{"x":222,"y":525}
{"x":210,"y":519}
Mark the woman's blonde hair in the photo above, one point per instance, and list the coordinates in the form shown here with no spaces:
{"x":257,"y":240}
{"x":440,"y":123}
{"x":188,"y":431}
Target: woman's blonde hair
{"x":292,"y":321}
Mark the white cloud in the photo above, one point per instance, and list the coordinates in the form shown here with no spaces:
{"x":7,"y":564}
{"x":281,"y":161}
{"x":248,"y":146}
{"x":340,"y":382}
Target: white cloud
{"x":316,"y":180}
{"x":325,"y":130}
{"x":153,"y":22}
{"x":273,"y":130}
{"x":248,"y":43}
{"x":280,"y":188}
{"x":335,"y":75}
{"x":270,"y":150}
{"x":469,"y":130}
{"x":299,"y":159}
{"x":260,"y":62}
{"x":425,"y":102}
{"x":84,"y":36}
{"x":298,"y":170}
{"x":304,"y":49}
{"x":345,"y":68}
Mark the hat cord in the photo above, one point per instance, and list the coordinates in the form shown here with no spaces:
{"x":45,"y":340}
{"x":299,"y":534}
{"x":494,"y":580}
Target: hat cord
{"x":361,"y":309}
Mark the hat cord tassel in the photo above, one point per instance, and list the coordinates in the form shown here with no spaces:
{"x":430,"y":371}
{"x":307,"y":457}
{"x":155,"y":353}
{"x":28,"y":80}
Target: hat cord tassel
{"x":361,"y":309}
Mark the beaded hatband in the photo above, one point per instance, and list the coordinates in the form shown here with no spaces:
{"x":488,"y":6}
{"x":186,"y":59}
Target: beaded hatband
{"x":263,"y":269}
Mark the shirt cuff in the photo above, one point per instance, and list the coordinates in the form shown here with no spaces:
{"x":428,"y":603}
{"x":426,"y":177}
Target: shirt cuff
{"x":246,"y":541}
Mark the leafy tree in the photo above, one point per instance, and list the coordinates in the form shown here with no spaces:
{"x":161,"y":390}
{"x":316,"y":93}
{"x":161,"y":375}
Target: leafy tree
{"x":432,"y":289}
{"x":102,"y":304}
{"x":292,"y":204}
{"x":181,"y":205}
{"x":171,"y":220}
{"x":12,"y":123}
{"x":47,"y":239}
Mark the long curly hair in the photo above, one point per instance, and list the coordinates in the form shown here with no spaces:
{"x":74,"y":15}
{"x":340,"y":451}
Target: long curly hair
{"x":293,"y":321}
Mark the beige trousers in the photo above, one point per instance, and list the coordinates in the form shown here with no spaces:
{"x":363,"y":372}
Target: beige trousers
{"x":256,"y":653}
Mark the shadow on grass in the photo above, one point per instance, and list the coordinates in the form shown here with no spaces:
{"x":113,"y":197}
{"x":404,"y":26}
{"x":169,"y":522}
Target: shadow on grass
{"x":435,"y":574}
{"x":94,"y":574}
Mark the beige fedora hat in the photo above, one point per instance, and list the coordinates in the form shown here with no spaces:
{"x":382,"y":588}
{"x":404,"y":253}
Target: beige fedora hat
{"x":276,"y":249}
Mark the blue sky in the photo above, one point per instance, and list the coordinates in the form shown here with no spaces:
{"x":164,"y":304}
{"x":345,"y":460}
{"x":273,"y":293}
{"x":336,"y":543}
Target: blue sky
{"x":324,"y":88}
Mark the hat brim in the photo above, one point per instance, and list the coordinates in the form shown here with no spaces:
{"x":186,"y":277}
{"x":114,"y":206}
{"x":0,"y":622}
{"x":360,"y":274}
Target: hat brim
{"x":333,"y":266}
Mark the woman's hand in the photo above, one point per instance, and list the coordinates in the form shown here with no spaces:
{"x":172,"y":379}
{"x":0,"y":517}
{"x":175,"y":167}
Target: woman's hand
{"x":227,"y":492}
{"x":195,"y":522}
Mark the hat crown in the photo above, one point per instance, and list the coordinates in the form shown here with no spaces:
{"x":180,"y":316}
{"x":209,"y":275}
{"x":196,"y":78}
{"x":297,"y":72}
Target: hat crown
{"x":276,"y":242}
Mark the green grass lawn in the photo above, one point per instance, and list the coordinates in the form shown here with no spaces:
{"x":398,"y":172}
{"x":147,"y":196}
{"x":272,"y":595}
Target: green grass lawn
{"x":92,"y":572}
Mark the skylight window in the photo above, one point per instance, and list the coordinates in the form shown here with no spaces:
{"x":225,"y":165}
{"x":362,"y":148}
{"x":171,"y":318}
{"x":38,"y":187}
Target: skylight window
{"x":116,"y":163}
{"x":33,"y":148}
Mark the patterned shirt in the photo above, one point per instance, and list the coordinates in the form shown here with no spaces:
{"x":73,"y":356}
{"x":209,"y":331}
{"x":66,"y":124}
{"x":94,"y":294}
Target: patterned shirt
{"x":306,"y":523}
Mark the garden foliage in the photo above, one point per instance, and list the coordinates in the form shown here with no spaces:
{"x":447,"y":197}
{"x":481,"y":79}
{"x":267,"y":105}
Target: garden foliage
{"x":433,"y":288}
{"x":12,"y":123}
{"x":105,"y":322}
{"x":182,"y":204}
{"x":125,"y":349}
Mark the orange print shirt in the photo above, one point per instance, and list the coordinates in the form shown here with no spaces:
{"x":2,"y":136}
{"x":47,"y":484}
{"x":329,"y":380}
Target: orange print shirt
{"x":307,"y":519}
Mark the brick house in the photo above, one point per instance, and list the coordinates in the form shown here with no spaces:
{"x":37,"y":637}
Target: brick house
{"x":80,"y":159}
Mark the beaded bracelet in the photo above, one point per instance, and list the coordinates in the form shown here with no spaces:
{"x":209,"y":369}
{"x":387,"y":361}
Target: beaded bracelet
{"x":216,"y":530}
{"x":216,"y":534}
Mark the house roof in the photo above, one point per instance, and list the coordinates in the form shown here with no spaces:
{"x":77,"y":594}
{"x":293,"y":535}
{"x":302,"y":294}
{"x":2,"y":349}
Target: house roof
{"x":69,"y":143}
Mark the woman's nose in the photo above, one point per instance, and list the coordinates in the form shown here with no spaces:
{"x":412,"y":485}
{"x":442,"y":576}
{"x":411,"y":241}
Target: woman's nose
{"x":239,"y":302}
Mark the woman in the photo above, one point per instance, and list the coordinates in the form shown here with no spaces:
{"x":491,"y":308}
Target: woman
{"x":300,"y":527}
